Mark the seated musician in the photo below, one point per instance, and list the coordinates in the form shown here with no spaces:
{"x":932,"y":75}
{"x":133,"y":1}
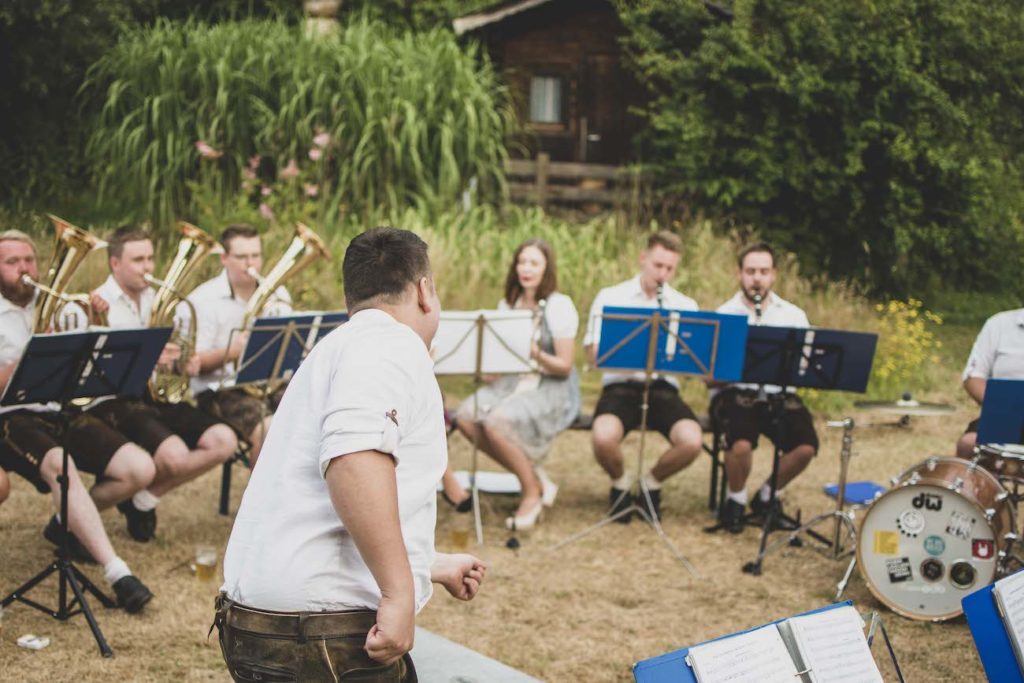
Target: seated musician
{"x":33,"y":434}
{"x":519,"y":416}
{"x":220,"y":306}
{"x":184,"y":441}
{"x":998,"y":353}
{"x":618,"y":409}
{"x":743,"y":414}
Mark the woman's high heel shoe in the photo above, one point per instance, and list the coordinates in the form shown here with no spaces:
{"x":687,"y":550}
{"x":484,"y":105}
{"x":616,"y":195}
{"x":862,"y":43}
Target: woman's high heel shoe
{"x":463,"y":505}
{"x":527,"y":521}
{"x":549,"y":489}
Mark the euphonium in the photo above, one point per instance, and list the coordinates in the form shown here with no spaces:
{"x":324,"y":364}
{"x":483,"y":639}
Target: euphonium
{"x":172,"y":386}
{"x":304,"y":248}
{"x":73,"y":245}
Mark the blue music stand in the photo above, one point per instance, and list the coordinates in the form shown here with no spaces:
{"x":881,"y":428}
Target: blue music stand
{"x":673,"y":667}
{"x":1002,"y":412}
{"x":660,"y":341}
{"x":278,"y":345}
{"x":61,"y":368}
{"x":990,"y":636}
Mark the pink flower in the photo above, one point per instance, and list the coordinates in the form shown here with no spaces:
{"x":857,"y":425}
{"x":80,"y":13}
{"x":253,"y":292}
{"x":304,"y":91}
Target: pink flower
{"x":289,"y":171}
{"x":265,"y":191}
{"x":266,"y":212}
{"x":315,"y":153}
{"x":312,"y":190}
{"x":254,"y":162}
{"x":207,"y":152}
{"x":322,"y":139}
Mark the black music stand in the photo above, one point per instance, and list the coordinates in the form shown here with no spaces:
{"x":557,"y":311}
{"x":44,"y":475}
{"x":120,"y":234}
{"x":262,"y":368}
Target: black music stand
{"x":658,"y":341}
{"x":275,"y":349}
{"x":790,"y":357}
{"x":477,"y":343}
{"x":59,"y":369}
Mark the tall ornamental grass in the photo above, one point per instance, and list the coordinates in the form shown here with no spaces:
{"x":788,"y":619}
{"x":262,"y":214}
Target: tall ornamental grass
{"x":408,"y":119}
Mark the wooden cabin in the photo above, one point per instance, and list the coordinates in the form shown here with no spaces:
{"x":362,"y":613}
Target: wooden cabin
{"x":563,"y":62}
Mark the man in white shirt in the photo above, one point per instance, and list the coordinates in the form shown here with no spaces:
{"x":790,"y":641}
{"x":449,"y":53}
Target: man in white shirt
{"x":332,"y":552}
{"x":32,"y":435}
{"x":184,"y":441}
{"x":998,"y":353}
{"x":743,"y":413}
{"x":618,"y":409}
{"x":220,"y":305}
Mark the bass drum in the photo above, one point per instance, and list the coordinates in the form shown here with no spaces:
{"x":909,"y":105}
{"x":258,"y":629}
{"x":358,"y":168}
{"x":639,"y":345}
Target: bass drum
{"x":935,"y":537}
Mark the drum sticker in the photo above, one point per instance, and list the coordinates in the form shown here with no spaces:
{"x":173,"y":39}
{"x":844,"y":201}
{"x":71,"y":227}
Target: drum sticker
{"x":934,"y":545}
{"x":910,"y":523}
{"x":899,"y":569}
{"x":887,"y":543}
{"x":928,"y":501}
{"x":960,"y":525}
{"x":983,"y":548}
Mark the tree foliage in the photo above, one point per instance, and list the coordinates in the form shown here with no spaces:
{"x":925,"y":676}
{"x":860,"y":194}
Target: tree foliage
{"x":881,"y":139}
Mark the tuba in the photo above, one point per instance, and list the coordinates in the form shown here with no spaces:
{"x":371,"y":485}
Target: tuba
{"x":304,"y":248}
{"x":172,"y":386}
{"x":73,"y":245}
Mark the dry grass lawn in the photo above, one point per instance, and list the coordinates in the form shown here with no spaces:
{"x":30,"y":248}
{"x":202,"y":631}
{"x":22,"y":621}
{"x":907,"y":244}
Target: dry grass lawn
{"x":584,"y":613}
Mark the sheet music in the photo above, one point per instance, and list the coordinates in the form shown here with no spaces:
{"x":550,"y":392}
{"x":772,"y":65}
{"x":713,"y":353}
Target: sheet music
{"x":758,"y":656}
{"x":1009,"y":594}
{"x":507,"y":336}
{"x":832,"y":645}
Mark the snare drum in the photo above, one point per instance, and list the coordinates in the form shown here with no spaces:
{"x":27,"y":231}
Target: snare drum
{"x":935,"y":537}
{"x":1006,"y":461}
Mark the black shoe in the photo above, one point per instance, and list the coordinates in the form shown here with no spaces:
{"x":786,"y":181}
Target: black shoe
{"x":79,"y":553}
{"x":131,"y":593}
{"x":462,"y":506}
{"x":763,"y":508}
{"x":619,"y":500}
{"x":731,"y":516}
{"x":653,"y":509}
{"x":141,"y":525}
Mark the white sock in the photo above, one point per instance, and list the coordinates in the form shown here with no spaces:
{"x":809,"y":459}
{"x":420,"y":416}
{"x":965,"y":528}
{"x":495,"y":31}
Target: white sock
{"x":623,"y":483}
{"x":766,"y":492}
{"x":115,"y":570}
{"x":651,"y":482}
{"x":739,"y":496}
{"x":144,"y":501}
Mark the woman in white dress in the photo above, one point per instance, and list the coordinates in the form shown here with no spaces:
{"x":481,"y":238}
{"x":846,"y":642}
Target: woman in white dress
{"x":520,"y":415}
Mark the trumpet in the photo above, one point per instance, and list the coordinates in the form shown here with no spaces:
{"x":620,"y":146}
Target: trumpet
{"x":73,"y":245}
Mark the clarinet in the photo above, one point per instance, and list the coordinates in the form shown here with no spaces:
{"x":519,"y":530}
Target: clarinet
{"x":659,"y":293}
{"x":757,"y":308}
{"x":538,"y":325}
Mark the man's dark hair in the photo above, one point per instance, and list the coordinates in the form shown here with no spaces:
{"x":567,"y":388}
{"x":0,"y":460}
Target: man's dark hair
{"x":548,"y":282}
{"x":756,"y":247}
{"x":236,"y":230}
{"x":666,"y":240}
{"x":380,"y":264}
{"x":123,"y":235}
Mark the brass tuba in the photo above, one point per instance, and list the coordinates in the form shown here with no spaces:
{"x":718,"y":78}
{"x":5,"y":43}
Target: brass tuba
{"x":172,"y":386}
{"x":306,"y":246}
{"x":73,"y":245}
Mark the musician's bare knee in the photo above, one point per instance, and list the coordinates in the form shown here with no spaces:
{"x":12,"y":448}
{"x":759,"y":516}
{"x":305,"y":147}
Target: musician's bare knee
{"x":132,"y":465}
{"x":221,"y":440}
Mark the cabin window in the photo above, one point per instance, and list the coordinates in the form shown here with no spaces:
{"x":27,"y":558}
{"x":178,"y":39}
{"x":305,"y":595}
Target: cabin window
{"x":546,"y":99}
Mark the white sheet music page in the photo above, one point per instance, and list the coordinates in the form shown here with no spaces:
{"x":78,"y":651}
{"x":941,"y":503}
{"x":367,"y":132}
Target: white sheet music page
{"x":1009,"y":593}
{"x":756,"y":657}
{"x":833,"y":646}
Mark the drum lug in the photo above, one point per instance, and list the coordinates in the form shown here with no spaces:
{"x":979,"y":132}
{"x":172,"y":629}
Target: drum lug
{"x":930,"y":463}
{"x":958,"y":486}
{"x":1010,"y":537}
{"x":893,"y":481}
{"x":1000,"y":497}
{"x":990,"y":514}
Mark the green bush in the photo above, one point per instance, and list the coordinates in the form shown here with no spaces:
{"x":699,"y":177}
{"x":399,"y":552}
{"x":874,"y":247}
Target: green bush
{"x":409,"y":118}
{"x":880,"y":140}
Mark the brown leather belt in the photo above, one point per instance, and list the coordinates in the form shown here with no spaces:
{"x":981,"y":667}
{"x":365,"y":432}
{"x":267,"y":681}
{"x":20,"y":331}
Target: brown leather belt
{"x":298,"y":625}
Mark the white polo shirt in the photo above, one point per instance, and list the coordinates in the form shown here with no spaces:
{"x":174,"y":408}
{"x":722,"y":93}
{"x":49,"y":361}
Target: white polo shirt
{"x":775,"y":312}
{"x":124,"y":313}
{"x":998,"y":352}
{"x":220,"y":314}
{"x":368,"y":385}
{"x":631,"y":294}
